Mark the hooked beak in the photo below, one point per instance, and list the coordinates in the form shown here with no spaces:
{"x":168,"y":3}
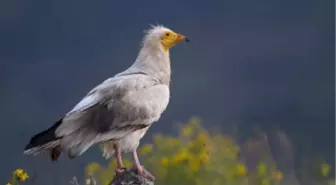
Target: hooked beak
{"x":181,"y":38}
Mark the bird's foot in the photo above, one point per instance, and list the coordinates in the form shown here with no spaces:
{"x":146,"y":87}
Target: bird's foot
{"x":142,"y":171}
{"x":120,"y":170}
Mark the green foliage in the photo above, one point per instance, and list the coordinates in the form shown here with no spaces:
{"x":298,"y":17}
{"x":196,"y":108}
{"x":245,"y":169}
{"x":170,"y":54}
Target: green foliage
{"x":197,"y":157}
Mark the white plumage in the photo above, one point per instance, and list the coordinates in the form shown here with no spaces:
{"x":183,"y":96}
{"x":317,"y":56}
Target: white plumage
{"x":118,"y":112}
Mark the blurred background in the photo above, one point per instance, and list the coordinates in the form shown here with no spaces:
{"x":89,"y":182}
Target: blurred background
{"x":262,"y":66}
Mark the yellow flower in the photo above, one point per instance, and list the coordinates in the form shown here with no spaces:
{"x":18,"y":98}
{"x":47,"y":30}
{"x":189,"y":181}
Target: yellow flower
{"x":325,"y":169}
{"x":106,"y":181}
{"x":277,"y":175}
{"x":9,"y":183}
{"x":18,"y":172}
{"x":146,"y":149}
{"x":92,"y":168}
{"x":194,"y":164}
{"x":187,"y":130}
{"x":23,"y":177}
{"x":164,"y":161}
{"x":204,"y":157}
{"x":180,"y":156}
{"x":203,"y":138}
{"x":262,"y":169}
{"x":241,"y":170}
{"x":172,"y":142}
{"x":265,"y":182}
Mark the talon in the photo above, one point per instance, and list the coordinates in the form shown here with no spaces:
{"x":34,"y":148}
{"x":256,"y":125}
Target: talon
{"x":119,"y":171}
{"x":142,"y":171}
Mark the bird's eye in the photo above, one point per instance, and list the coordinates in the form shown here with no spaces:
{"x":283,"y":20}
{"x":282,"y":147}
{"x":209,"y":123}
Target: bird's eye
{"x":167,"y":34}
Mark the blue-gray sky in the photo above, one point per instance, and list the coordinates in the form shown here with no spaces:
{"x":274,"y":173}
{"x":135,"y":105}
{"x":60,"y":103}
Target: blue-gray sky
{"x":268,"y":62}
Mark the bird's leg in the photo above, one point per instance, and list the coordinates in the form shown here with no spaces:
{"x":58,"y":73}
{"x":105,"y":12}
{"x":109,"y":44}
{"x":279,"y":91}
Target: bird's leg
{"x":120,"y":169}
{"x":140,"y":169}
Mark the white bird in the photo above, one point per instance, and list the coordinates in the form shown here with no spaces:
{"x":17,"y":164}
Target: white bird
{"x":118,"y":112}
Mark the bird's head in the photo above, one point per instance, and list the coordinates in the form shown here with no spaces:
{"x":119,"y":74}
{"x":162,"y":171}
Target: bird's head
{"x":163,"y":37}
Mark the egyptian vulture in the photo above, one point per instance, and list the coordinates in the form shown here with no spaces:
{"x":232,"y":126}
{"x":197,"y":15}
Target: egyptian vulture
{"x":118,"y":112}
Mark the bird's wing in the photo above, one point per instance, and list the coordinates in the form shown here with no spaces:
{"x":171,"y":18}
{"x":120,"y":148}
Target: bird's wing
{"x":113,"y":86}
{"x":95,"y":96}
{"x":115,"y":108}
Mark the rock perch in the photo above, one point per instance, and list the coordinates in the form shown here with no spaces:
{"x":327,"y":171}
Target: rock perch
{"x":130,"y":177}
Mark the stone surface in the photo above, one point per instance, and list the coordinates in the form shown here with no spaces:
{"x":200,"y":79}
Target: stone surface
{"x":130,"y":177}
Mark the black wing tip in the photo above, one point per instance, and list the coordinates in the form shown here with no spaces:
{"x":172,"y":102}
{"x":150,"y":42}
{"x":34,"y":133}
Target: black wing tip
{"x":29,"y":146}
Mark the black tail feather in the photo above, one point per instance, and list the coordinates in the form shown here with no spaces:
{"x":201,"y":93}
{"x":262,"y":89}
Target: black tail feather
{"x":44,"y":138}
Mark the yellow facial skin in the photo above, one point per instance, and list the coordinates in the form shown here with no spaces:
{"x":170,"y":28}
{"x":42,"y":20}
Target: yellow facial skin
{"x":170,"y":38}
